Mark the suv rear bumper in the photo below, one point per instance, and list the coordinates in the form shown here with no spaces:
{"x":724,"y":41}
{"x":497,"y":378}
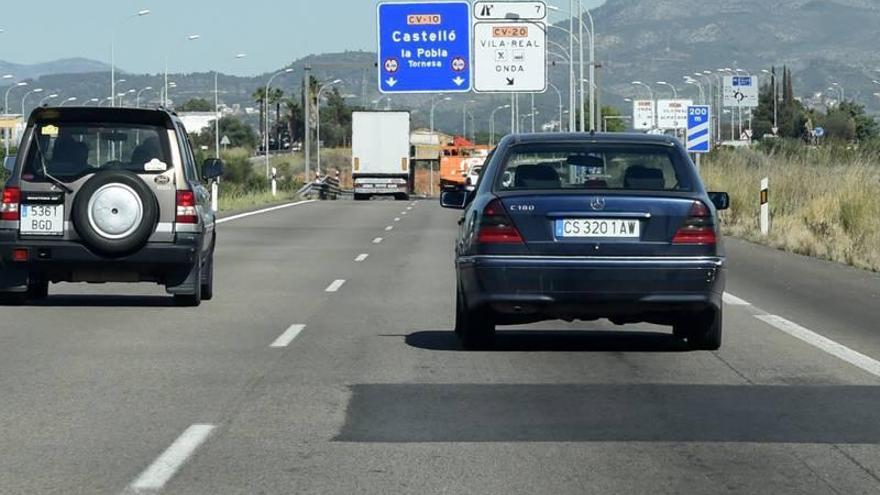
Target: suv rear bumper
{"x":67,"y":261}
{"x":627,"y":289}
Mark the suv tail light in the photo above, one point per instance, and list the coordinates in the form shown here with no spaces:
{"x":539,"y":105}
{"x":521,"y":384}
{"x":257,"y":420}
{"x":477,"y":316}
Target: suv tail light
{"x":186,"y":207}
{"x":9,"y":206}
{"x":496,"y":227}
{"x":698,"y":228}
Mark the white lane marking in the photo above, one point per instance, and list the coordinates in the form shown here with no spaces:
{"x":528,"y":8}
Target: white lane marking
{"x":362,"y":257}
{"x":377,"y":240}
{"x":823,"y":343}
{"x":264,"y":210}
{"x":389,"y":228}
{"x":397,"y":219}
{"x":408,"y":208}
{"x":287,"y":337}
{"x":175,"y":456}
{"x":334,"y":286}
{"x":403,"y":213}
{"x":734,"y":301}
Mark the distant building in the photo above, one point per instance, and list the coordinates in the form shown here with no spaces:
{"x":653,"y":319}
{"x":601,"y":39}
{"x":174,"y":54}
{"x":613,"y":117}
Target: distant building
{"x":196,"y":122}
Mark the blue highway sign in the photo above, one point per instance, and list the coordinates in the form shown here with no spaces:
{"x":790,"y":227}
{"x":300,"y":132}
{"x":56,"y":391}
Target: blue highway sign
{"x":699,"y":129}
{"x":424,"y":47}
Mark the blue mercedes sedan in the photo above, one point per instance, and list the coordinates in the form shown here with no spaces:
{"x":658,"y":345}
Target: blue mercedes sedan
{"x":589,"y":226}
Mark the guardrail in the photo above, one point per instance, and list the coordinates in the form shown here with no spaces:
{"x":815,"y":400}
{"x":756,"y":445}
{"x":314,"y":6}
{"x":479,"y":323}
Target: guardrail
{"x":325,"y":188}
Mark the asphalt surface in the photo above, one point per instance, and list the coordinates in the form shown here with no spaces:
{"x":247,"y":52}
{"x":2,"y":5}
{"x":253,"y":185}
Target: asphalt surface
{"x":279,"y":386}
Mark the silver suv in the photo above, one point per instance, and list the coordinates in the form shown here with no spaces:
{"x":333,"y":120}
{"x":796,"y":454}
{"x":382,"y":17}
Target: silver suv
{"x":106,"y":195}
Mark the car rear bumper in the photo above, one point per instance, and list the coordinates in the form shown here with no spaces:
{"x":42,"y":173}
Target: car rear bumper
{"x":636,"y":289}
{"x":67,"y":261}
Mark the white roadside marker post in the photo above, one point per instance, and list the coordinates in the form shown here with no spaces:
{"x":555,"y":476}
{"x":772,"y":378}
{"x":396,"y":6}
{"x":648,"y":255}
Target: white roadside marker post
{"x":765,"y":206}
{"x":274,"y":182}
{"x":215,"y":196}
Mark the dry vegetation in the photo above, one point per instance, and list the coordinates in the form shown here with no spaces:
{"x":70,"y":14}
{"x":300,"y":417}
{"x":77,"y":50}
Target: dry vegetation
{"x":823,"y":202}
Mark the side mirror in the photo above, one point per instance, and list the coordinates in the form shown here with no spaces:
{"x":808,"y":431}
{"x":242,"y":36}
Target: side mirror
{"x":9,"y":163}
{"x":454,"y":200}
{"x":721,"y":200}
{"x":212,"y":168}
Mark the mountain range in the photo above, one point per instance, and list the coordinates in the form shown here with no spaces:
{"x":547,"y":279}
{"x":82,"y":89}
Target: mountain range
{"x":822,"y":41}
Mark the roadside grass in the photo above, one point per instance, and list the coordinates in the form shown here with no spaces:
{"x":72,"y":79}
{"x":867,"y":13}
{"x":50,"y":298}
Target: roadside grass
{"x":824,"y":202}
{"x":235,"y":198}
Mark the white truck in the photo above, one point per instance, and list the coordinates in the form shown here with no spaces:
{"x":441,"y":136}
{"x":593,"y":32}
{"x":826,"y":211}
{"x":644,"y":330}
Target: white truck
{"x":380,"y":155}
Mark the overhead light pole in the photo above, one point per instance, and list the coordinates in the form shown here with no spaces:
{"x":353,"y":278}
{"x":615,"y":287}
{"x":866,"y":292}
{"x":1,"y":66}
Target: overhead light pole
{"x":140,"y":13}
{"x":192,"y":37}
{"x":492,"y":124}
{"x":318,"y":123}
{"x":674,"y":90}
{"x":439,"y":144}
{"x":650,"y":91}
{"x":138,"y":96}
{"x":266,"y":105}
{"x":69,"y":100}
{"x":559,"y":97}
{"x":24,"y":99}
{"x":7,"y":133}
{"x":464,"y":118}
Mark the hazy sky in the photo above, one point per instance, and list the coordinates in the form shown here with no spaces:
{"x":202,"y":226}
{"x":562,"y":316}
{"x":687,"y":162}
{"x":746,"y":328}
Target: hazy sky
{"x":271,"y":32}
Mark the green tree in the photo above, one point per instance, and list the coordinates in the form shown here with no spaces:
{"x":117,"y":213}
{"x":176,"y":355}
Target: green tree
{"x":197,"y":105}
{"x":613,"y":122}
{"x":240,"y":134}
{"x":864,"y":126}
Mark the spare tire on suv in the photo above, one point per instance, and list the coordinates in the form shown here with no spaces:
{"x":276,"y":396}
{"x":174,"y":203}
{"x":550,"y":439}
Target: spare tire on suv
{"x":115,"y":213}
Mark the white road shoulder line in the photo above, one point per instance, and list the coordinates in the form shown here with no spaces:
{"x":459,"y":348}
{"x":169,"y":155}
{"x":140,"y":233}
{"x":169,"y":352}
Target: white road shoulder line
{"x":389,"y":228}
{"x":734,"y":301}
{"x":166,"y":465}
{"x":831,"y":347}
{"x":362,"y":257}
{"x":335,"y":286}
{"x":287,"y":337}
{"x":264,"y":210}
{"x":377,"y":240}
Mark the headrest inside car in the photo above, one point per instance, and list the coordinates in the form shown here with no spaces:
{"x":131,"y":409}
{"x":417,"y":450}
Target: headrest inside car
{"x":640,"y":177}
{"x":536,"y":177}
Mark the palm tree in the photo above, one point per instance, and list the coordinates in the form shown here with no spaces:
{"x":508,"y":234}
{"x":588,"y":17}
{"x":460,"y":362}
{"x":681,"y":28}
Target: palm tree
{"x":276,"y":96}
{"x":259,"y":97}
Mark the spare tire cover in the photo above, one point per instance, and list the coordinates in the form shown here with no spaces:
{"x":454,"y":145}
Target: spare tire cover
{"x":115,"y":213}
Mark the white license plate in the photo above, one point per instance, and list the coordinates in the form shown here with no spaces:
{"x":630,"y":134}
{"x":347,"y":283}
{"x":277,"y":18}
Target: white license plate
{"x":597,"y":228}
{"x":42,"y":220}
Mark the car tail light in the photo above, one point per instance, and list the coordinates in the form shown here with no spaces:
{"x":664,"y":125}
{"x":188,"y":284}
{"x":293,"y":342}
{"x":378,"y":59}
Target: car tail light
{"x":9,"y":206}
{"x":186,"y":207}
{"x":20,"y":255}
{"x":496,"y":227}
{"x":698,"y":228}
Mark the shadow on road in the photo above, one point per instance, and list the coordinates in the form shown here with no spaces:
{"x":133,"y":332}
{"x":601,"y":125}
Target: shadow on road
{"x":100,"y":301}
{"x":556,"y":341}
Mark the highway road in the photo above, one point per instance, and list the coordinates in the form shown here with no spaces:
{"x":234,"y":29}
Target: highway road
{"x":326,"y":364}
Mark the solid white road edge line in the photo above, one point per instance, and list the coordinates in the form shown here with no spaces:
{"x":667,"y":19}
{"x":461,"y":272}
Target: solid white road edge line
{"x":175,"y":456}
{"x":334,"y":286}
{"x":287,"y":337}
{"x":264,"y":210}
{"x":823,"y":343}
{"x":377,"y":240}
{"x":362,"y":257}
{"x":734,"y":301}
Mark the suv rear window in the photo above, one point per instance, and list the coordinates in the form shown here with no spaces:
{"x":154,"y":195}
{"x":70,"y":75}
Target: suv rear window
{"x":72,"y":150}
{"x":594,"y":167}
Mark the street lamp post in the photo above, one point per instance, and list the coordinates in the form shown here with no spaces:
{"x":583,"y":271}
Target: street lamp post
{"x":7,"y":134}
{"x":266,"y":105}
{"x":141,"y":13}
{"x":674,"y":89}
{"x":464,"y":118}
{"x":318,"y":123}
{"x":433,"y":105}
{"x":69,"y":100}
{"x":694,"y":82}
{"x":138,"y":96}
{"x":24,"y":98}
{"x":559,"y":97}
{"x":191,"y":37}
{"x":492,"y":124}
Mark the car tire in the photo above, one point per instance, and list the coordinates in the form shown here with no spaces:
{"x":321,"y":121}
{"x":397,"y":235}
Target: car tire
{"x":361,"y":197}
{"x":401,"y":197}
{"x":703,"y":331}
{"x":208,"y":278}
{"x":474,"y":328}
{"x":195,"y":299}
{"x":126,"y":227}
{"x":14,"y":298}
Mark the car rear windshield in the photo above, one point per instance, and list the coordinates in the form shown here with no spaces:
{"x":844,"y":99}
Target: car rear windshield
{"x":69,"y":151}
{"x":594,"y":167}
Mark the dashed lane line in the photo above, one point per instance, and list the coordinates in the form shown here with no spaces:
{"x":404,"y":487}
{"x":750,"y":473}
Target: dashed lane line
{"x":335,"y":286}
{"x":169,"y":462}
{"x":287,"y":337}
{"x":361,"y":257}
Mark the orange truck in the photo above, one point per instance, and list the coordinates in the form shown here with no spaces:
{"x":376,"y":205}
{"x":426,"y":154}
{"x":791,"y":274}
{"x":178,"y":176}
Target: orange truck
{"x":457,"y":159}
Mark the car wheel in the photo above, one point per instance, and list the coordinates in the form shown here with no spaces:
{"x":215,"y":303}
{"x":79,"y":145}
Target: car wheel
{"x":194,"y":299}
{"x":703,"y":331}
{"x":115,"y":213}
{"x":474,"y":328}
{"x":13,"y":298}
{"x":401,"y":197}
{"x":361,"y":197}
{"x":208,"y":278}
